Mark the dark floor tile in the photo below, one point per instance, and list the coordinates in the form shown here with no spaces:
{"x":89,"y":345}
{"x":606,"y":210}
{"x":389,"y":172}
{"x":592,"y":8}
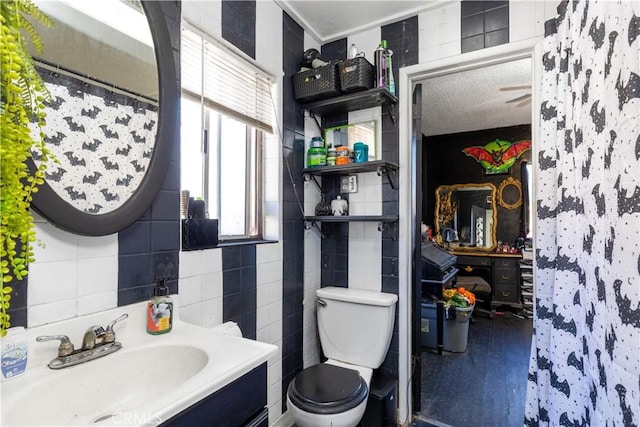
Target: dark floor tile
{"x":486,"y":385}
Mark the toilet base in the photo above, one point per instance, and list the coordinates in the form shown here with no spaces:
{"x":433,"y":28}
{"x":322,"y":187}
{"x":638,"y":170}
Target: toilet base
{"x":349,"y":418}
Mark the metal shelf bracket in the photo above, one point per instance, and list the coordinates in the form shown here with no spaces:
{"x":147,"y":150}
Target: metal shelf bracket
{"x":391,"y":173}
{"x":309,"y":177}
{"x":389,"y":226}
{"x":308,"y":225}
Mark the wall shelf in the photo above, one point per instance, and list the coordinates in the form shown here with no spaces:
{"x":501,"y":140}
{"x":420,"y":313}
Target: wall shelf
{"x":355,"y":101}
{"x":384,"y":221}
{"x":382,"y":167}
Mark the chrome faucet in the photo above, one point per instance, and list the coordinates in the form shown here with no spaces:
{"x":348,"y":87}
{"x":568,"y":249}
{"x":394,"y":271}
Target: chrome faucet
{"x":96,"y":342}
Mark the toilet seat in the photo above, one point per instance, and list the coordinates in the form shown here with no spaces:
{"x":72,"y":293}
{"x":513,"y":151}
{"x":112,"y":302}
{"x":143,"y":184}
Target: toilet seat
{"x":327,"y":389}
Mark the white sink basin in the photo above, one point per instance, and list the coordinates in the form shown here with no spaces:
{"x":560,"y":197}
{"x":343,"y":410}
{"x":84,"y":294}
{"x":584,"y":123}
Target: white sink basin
{"x":149,"y":380}
{"x":114,"y":385}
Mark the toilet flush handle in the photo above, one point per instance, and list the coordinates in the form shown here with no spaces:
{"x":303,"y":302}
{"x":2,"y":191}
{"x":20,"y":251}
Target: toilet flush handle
{"x":321,"y":302}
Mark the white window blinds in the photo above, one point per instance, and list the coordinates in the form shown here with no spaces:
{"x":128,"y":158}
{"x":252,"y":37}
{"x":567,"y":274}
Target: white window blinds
{"x":225,"y":81}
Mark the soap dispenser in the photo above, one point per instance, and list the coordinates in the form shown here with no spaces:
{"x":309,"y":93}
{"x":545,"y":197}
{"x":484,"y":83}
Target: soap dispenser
{"x":160,"y":310}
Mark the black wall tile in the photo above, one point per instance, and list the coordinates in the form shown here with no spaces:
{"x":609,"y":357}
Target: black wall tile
{"x":239,"y":287}
{"x":239,"y":25}
{"x":292,"y":231}
{"x":136,"y":240}
{"x":149,"y":248}
{"x":484,"y":24}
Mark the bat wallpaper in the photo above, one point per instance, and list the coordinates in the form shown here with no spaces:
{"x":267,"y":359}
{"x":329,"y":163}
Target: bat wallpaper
{"x":498,"y":156}
{"x":101,"y":140}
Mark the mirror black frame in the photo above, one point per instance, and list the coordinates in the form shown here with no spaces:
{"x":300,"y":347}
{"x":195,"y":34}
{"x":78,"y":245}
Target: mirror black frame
{"x":494,"y":228}
{"x":65,"y":216}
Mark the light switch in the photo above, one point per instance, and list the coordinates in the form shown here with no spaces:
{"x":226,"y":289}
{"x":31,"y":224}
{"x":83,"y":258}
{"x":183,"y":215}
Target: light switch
{"x":349,"y":184}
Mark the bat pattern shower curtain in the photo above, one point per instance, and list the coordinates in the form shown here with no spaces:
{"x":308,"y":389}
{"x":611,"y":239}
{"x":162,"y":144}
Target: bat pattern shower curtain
{"x":585,"y":356}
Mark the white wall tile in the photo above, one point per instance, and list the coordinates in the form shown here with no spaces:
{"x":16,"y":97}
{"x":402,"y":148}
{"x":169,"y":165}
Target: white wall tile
{"x":212,"y":285}
{"x":97,"y":246}
{"x":50,"y":312}
{"x":212,"y":312}
{"x":52,"y":281}
{"x":190,"y":263}
{"x":212,"y":260}
{"x":54,"y":244}
{"x":191,"y":313}
{"x":97,"y":275}
{"x":190,"y":289}
{"x":206,"y":15}
{"x":96,"y":303}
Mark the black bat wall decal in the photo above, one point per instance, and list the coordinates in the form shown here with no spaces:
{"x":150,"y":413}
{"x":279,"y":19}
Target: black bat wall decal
{"x":75,"y":195}
{"x":108,"y":133}
{"x":73,"y":126}
{"x":147,"y":154}
{"x":108,"y":165}
{"x":92,"y":113}
{"x":75,"y":161}
{"x":123,"y":120}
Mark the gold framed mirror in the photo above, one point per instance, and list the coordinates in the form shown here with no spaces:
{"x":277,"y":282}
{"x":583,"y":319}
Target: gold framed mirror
{"x":465,"y":216}
{"x":510,"y":193}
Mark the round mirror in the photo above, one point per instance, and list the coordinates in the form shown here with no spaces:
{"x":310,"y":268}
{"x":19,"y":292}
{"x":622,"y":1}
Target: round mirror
{"x":108,"y":125}
{"x":510,"y":193}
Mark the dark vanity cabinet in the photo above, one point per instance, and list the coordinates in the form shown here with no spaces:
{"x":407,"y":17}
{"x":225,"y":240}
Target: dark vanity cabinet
{"x":506,"y":281}
{"x":241,"y":403}
{"x":500,"y":270}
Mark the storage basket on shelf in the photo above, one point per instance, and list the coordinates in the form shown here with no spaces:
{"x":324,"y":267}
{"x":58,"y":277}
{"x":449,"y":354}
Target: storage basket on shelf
{"x":318,"y":83}
{"x":355,"y":74}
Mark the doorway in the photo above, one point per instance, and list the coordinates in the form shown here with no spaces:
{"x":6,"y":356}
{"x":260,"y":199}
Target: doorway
{"x":409,"y":78}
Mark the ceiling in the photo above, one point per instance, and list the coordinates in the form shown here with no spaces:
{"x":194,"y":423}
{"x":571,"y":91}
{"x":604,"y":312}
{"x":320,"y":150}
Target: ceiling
{"x":481,"y":98}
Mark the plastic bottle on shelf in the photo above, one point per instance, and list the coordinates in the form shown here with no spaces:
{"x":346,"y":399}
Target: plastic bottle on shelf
{"x":380,"y":64}
{"x":390,"y":82}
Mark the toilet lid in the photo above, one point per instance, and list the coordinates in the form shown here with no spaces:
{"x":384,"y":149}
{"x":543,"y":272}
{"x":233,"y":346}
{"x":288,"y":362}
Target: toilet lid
{"x":327,"y":389}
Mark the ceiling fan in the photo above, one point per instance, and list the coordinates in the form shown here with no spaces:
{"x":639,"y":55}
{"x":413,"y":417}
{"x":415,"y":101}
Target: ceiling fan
{"x":521,"y":100}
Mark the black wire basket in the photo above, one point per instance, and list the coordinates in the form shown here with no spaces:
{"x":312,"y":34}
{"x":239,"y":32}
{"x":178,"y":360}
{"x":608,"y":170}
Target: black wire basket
{"x":356,"y":74}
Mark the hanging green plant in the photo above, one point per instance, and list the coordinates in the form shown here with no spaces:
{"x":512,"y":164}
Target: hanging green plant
{"x":22,"y":96}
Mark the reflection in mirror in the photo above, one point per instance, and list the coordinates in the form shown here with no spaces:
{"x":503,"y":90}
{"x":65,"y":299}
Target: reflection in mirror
{"x":465,"y":216}
{"x":101,"y":121}
{"x":348,"y":135}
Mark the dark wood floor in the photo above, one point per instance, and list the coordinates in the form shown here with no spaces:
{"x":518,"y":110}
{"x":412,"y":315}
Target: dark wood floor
{"x":486,"y":385}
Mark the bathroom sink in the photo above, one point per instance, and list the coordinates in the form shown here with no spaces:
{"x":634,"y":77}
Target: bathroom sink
{"x":107,"y":390}
{"x":150,"y":380}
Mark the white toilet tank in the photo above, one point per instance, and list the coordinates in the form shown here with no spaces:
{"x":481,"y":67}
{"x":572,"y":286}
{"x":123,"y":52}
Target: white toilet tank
{"x":355,"y":326}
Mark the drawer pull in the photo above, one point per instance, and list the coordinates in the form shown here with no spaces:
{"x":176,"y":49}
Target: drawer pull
{"x":506,"y":293}
{"x":504,"y":276}
{"x":468,"y":269}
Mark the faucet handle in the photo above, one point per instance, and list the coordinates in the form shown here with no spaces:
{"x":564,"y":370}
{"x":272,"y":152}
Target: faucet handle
{"x":64,"y":349}
{"x":109,"y":334}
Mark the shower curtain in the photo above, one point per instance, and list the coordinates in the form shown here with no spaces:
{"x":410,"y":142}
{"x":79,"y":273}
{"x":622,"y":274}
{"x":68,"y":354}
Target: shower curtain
{"x":585,"y":355}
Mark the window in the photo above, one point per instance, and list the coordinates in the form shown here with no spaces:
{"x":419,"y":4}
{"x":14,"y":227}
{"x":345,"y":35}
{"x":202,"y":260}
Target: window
{"x":226,"y":111}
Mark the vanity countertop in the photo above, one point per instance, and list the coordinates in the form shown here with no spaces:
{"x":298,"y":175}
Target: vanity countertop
{"x":152,"y":377}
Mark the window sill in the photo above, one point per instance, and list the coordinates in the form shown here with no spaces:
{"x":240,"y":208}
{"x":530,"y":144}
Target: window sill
{"x":229,"y":243}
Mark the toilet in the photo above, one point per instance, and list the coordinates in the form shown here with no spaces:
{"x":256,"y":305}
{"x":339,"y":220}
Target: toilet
{"x":355,"y":328}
